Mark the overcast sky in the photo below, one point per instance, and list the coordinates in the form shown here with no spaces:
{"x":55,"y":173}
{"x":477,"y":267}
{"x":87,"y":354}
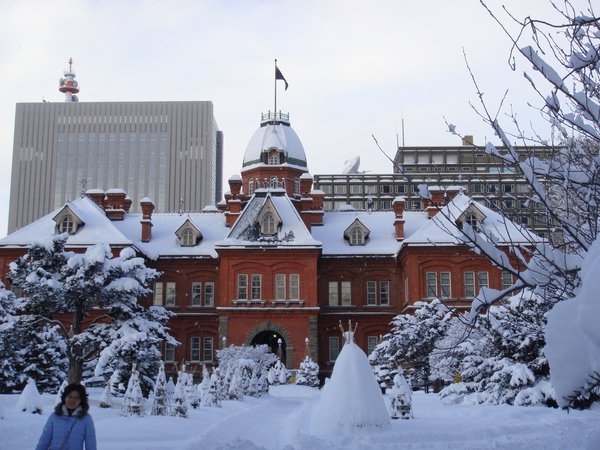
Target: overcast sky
{"x":355,"y":68}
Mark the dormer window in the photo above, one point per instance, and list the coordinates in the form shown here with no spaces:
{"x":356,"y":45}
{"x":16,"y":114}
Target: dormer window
{"x":357,"y":237}
{"x":273,"y":182}
{"x":471,"y":219}
{"x":66,"y":225}
{"x":273,"y":159}
{"x":68,"y":220}
{"x":268,"y":220}
{"x":188,"y":238}
{"x":188,"y":234}
{"x":357,"y":233}
{"x":268,"y":224}
{"x":472,"y":216}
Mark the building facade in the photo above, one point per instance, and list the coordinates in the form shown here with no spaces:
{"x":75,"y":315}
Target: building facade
{"x":271,"y":265}
{"x":485,"y":178}
{"x":170,"y":151}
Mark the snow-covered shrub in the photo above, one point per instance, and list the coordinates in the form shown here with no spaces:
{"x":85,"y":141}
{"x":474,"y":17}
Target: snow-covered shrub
{"x":30,"y":399}
{"x":400,"y":398}
{"x":308,"y":373}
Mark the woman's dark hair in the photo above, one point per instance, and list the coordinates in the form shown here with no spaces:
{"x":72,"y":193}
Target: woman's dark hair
{"x":80,"y":389}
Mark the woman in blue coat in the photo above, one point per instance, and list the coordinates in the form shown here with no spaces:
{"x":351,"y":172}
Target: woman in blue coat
{"x":70,"y":426}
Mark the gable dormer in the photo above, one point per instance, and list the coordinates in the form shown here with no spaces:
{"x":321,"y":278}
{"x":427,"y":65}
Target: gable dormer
{"x":67,"y":221}
{"x":274,"y":157}
{"x":472,"y":216}
{"x":357,"y":233}
{"x":188,"y":234}
{"x":268,"y":219}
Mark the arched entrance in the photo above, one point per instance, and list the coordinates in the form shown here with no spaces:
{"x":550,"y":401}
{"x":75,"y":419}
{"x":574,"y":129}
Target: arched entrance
{"x":272,"y":339}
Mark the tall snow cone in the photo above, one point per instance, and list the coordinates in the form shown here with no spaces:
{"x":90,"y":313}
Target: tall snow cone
{"x":160,"y":403}
{"x":133,"y":402}
{"x":352,"y":398}
{"x":106,"y":398}
{"x":401,"y":399}
{"x":30,"y":399}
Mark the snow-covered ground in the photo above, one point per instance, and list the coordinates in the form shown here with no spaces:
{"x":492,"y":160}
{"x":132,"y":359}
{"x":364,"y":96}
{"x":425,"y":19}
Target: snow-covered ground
{"x":281,"y":420}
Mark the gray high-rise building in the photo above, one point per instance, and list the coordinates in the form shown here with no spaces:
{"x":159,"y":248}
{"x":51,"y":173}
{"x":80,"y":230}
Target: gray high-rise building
{"x":168,"y":151}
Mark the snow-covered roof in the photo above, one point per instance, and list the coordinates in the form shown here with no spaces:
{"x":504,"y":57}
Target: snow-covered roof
{"x":441,"y":229}
{"x":291,"y":233}
{"x":280,"y":136}
{"x":382,"y":238}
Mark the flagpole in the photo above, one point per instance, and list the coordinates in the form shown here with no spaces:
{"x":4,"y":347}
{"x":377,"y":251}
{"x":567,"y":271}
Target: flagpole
{"x":275,"y":106}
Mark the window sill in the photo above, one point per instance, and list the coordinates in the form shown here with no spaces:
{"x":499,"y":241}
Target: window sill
{"x":387,"y":305}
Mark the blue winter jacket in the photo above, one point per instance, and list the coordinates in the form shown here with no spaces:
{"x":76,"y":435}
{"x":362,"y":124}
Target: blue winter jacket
{"x":54,"y":436}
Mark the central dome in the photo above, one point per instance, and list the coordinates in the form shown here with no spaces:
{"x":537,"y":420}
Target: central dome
{"x":275,"y":133}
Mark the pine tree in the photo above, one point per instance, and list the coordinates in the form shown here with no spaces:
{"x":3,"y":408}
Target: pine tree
{"x":54,"y":281}
{"x":160,"y":402}
{"x":308,"y":373}
{"x":212,"y":398}
{"x":179,"y":405}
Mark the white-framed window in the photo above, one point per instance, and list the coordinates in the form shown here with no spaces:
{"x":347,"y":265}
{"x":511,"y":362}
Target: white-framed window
{"x":384,"y":292}
{"x":209,"y":293}
{"x":431,"y":278}
{"x":273,"y":158}
{"x":294,"y":287}
{"x":195,"y":348}
{"x":372,"y":342}
{"x":474,"y":283}
{"x":357,"y":237}
{"x":370,"y":189}
{"x":333,"y":293}
{"x":279,"y":286}
{"x":251,"y":186}
{"x":273,"y":182}
{"x":445,"y":285}
{"x":67,"y":225}
{"x":340,"y":189}
{"x":242,"y":286}
{"x":196,"y":293}
{"x":334,"y":347}
{"x":371,"y":292}
{"x":296,"y":186}
{"x":207,"y":349}
{"x":169,"y":352}
{"x":268,"y":224}
{"x":356,"y":189}
{"x":256,"y":281}
{"x":188,"y":238}
{"x":170,"y":294}
{"x":471,"y":219}
{"x":507,"y":279}
{"x":346,"y":293}
{"x":158,"y":293}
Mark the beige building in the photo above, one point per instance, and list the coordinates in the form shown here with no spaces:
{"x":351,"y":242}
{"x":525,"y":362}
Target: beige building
{"x":170,"y":152}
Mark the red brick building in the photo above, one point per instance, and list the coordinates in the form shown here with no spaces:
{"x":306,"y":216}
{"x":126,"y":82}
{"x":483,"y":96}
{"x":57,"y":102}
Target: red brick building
{"x":269,"y":265}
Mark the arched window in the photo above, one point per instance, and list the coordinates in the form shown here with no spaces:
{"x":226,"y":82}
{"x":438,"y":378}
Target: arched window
{"x":251,"y":186}
{"x":268,"y":224}
{"x":67,"y":225}
{"x":296,"y":186}
{"x":273,"y":182}
{"x":357,"y":237}
{"x":273,"y":158}
{"x":188,"y":238}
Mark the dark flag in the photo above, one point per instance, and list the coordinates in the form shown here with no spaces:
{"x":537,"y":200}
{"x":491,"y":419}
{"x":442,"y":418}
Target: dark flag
{"x":279,"y":76}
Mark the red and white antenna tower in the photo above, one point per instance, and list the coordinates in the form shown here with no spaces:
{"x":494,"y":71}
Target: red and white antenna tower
{"x":68,"y":85}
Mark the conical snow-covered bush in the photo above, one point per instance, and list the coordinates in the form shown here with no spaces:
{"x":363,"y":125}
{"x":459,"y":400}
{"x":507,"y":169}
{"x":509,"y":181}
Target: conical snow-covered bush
{"x":352,"y":397}
{"x":179,"y":405}
{"x":160,"y":402}
{"x":105,"y":400}
{"x":308,"y":374}
{"x":401,"y":398}
{"x":133,"y":402}
{"x":30,"y":399}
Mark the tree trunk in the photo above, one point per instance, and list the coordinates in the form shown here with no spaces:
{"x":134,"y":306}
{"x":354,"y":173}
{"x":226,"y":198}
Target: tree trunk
{"x":75,"y":370}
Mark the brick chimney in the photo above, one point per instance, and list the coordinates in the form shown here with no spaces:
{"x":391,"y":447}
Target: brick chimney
{"x":97,"y":196}
{"x":147,"y":209}
{"x":115,"y":204}
{"x":312,"y":209}
{"x":399,"y":206}
{"x":436,"y":201}
{"x":235,"y":186}
{"x":127,"y":204}
{"x":306,"y":182}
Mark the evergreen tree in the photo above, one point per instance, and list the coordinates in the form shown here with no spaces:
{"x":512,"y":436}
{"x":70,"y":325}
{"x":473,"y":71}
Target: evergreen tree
{"x":212,"y":398}
{"x":412,"y":340}
{"x":308,"y":373}
{"x":179,"y":405}
{"x":236,"y":391}
{"x":133,"y":401}
{"x":54,"y":281}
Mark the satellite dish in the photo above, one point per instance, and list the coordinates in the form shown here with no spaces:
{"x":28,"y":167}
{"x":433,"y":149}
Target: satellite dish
{"x":351,"y":166}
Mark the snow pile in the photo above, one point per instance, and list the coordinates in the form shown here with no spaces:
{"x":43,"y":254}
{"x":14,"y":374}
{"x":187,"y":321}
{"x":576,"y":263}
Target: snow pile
{"x":351,"y":398}
{"x":30,"y":399}
{"x":573,"y":337}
